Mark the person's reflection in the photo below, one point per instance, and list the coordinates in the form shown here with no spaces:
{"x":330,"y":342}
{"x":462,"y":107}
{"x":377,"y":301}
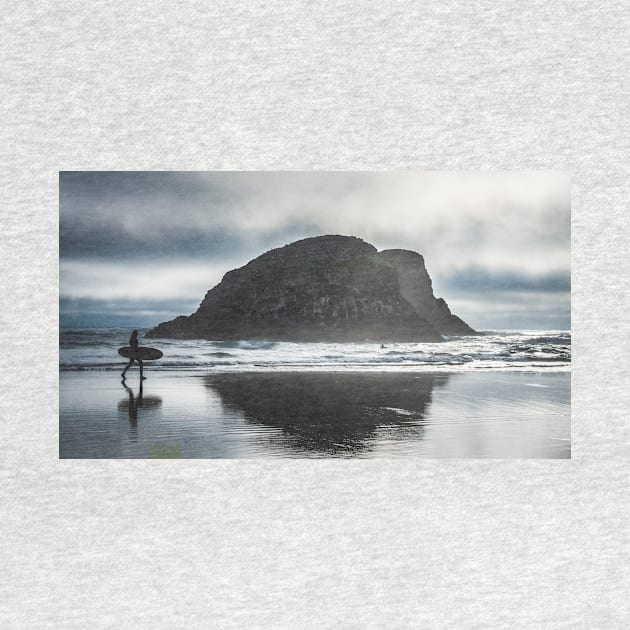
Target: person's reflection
{"x":133,"y":404}
{"x":133,"y":408}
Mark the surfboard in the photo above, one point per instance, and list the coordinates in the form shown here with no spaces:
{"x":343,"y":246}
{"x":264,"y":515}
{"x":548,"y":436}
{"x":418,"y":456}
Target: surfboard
{"x":144,"y":353}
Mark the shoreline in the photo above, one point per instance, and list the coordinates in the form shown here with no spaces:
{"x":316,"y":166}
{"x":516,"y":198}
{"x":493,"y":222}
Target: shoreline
{"x":356,"y":367}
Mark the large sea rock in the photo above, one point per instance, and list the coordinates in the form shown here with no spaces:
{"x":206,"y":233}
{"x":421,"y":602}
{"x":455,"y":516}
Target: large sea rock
{"x":326,"y":288}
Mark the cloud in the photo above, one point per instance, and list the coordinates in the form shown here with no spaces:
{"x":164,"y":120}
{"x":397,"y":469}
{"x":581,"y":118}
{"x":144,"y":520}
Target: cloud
{"x":454,"y":219}
{"x":141,"y":281}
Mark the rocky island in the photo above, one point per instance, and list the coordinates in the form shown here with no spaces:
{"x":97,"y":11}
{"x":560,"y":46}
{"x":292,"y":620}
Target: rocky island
{"x":325,"y":288}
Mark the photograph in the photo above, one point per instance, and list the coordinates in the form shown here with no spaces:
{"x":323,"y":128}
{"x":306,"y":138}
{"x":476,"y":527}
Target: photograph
{"x":287,"y":314}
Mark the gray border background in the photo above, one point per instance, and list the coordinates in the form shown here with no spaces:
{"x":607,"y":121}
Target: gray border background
{"x":300,"y":85}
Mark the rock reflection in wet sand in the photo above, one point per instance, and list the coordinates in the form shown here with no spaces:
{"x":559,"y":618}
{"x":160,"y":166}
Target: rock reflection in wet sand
{"x":329,"y":412}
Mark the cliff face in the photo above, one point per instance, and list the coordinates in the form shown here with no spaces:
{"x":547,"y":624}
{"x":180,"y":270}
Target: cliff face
{"x":327,"y":288}
{"x":416,"y":287}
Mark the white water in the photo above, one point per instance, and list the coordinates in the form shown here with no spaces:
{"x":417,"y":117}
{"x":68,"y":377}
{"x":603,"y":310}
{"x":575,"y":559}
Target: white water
{"x":96,"y":349}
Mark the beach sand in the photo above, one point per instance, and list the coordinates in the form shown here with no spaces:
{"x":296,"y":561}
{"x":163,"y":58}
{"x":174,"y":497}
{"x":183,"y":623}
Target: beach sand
{"x":301,"y":414}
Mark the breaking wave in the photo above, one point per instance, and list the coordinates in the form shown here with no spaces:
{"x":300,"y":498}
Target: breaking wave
{"x":96,"y":349}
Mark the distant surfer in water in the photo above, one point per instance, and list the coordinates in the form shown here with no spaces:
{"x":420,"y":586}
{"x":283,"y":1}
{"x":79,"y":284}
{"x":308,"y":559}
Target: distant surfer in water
{"x":133,"y":343}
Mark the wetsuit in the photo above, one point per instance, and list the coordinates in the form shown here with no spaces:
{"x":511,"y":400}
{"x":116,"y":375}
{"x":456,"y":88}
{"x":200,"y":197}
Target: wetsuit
{"x":133,"y":343}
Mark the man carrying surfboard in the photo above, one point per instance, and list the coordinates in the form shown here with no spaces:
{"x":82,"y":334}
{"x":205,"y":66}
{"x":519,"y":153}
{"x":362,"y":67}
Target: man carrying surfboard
{"x":134,"y":356}
{"x":137,"y":353}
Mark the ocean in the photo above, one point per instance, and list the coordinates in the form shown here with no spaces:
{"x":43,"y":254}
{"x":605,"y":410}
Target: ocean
{"x":96,"y":349}
{"x":506,"y":394}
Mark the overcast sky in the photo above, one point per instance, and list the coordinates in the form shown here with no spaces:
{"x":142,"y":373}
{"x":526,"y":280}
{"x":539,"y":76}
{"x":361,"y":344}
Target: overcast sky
{"x":139,"y":248}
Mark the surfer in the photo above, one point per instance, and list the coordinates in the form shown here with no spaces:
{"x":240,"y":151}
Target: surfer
{"x":133,"y":343}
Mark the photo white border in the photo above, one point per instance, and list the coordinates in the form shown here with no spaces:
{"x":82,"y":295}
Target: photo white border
{"x":333,"y":86}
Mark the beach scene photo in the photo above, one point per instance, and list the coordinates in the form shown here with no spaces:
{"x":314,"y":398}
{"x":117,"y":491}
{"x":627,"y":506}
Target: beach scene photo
{"x":315,"y":314}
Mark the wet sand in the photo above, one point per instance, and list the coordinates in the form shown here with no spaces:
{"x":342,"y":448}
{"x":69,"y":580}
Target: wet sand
{"x":301,"y":414}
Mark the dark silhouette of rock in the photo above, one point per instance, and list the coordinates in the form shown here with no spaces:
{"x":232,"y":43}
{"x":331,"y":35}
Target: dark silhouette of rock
{"x":326,"y":288}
